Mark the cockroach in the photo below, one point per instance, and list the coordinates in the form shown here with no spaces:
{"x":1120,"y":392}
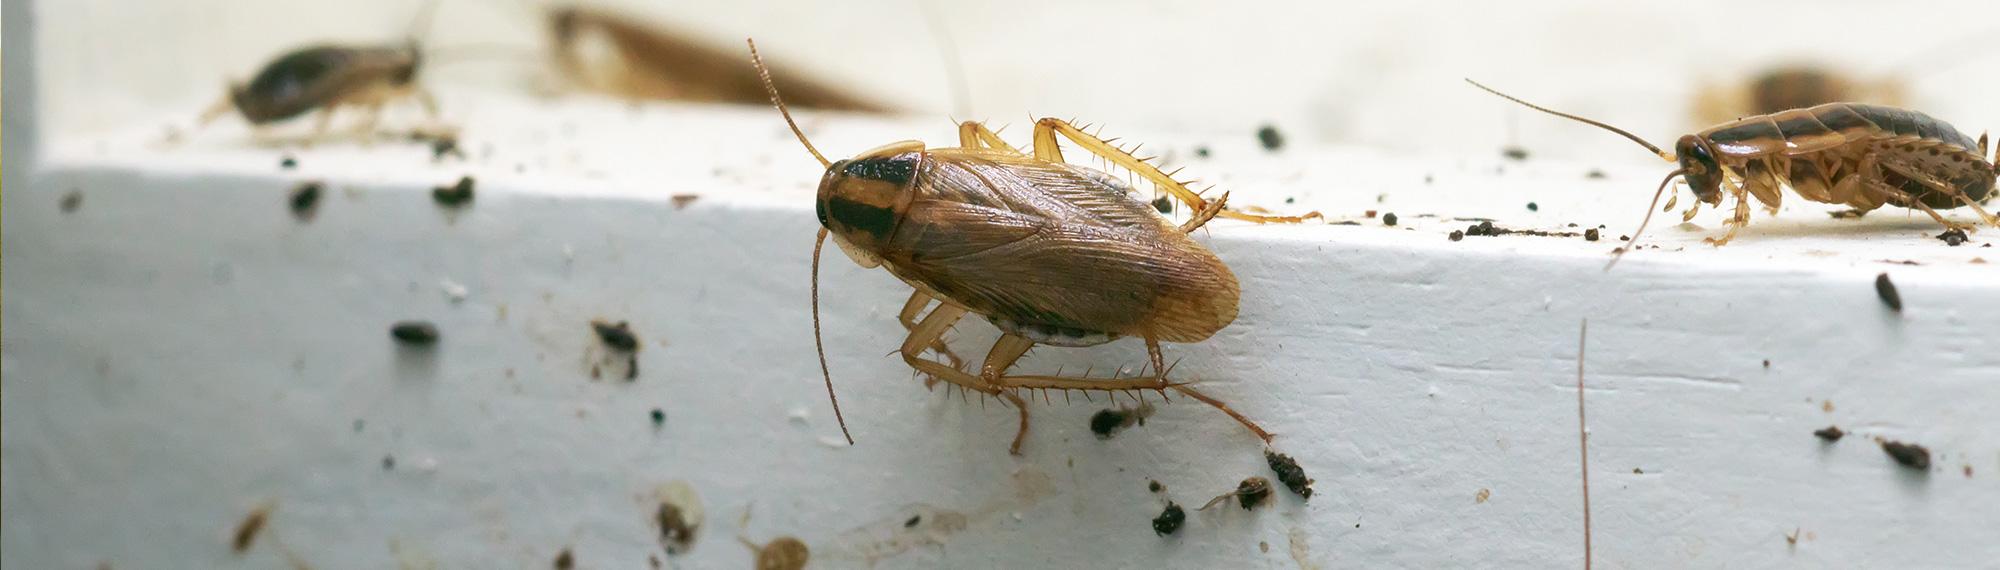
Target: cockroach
{"x":1792,"y":86}
{"x":327,"y":77}
{"x":1049,"y":252}
{"x":1858,"y":155}
{"x":647,"y":62}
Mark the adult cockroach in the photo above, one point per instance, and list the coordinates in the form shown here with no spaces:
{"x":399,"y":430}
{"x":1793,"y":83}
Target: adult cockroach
{"x":1793,"y":86}
{"x":1862,"y":156}
{"x":327,"y":77}
{"x":647,"y":62}
{"x":1050,"y":253}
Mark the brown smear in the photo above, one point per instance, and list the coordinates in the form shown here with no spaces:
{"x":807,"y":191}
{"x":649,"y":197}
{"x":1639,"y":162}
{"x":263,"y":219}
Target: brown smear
{"x":643,"y":61}
{"x":251,"y":525}
{"x":892,"y":535}
{"x":783,"y":553}
{"x":678,"y":515}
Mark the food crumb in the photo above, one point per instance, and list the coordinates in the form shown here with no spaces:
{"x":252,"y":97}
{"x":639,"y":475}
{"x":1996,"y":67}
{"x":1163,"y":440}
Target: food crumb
{"x":1370,"y":214}
{"x":1830,"y":433}
{"x":414,"y":333}
{"x":1290,"y":473}
{"x":1887,"y":291}
{"x":1907,"y":454}
{"x":1169,"y":520}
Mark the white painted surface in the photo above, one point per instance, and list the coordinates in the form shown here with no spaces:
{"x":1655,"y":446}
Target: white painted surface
{"x":181,"y":349}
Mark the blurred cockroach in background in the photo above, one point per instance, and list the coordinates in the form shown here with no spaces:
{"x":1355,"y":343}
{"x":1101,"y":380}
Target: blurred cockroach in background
{"x":1862,"y":156}
{"x":1049,"y":252}
{"x":613,"y":53}
{"x":327,"y":77}
{"x":1793,"y":86}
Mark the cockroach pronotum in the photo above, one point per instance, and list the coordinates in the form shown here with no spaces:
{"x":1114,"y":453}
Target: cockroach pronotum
{"x":1862,"y":156}
{"x":327,"y":77}
{"x":647,"y":62}
{"x":1049,"y":252}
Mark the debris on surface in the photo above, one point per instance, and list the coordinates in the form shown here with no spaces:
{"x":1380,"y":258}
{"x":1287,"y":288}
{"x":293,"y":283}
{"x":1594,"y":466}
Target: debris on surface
{"x":783,"y":553}
{"x":1953,"y":237}
{"x":288,"y":162}
{"x":1252,"y":492}
{"x":1533,"y":207}
{"x":251,"y":526}
{"x":617,"y":335}
{"x":1290,"y":473}
{"x":1590,"y":234}
{"x":1164,"y":204}
{"x":443,"y":146}
{"x":415,"y":333}
{"x":1486,"y":228}
{"x":681,"y":201}
{"x":1106,"y":423}
{"x":1169,"y":520}
{"x":1389,"y":219}
{"x":1456,"y":235}
{"x":1907,"y":454}
{"x":1481,"y":497}
{"x":305,"y":200}
{"x":71,"y":200}
{"x":455,"y":195}
{"x":659,"y":418}
{"x":679,"y":516}
{"x":1887,"y":291}
{"x":1201,"y":151}
{"x":565,"y":560}
{"x":1155,"y":486}
{"x":1515,"y":153}
{"x":1830,"y":433}
{"x":1269,"y":136}
{"x":1594,"y":174}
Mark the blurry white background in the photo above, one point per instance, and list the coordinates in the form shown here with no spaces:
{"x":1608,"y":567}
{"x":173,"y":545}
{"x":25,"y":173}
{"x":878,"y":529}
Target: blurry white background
{"x":1384,"y":74}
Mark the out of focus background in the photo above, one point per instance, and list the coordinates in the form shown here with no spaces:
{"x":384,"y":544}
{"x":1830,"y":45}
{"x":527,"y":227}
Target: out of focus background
{"x":1381,"y":74}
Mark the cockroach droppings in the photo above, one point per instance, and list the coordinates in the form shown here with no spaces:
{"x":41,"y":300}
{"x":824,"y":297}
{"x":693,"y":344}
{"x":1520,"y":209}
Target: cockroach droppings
{"x":305,"y":200}
{"x":1269,"y":136}
{"x":913,"y":521}
{"x":565,"y":560}
{"x":617,"y":335}
{"x":1164,"y":204}
{"x":455,"y":195}
{"x":659,"y":418}
{"x":1155,"y":486}
{"x":1106,"y":422}
{"x":1457,"y":235}
{"x":1389,"y":219}
{"x":1290,"y":473}
{"x":1830,"y":433}
{"x":1169,"y":520}
{"x":250,"y":527}
{"x":1201,"y":151}
{"x":388,"y":463}
{"x":1594,"y":174}
{"x":1887,"y":290}
{"x":71,"y":200}
{"x":1252,"y":492}
{"x":1590,"y":234}
{"x":1533,"y":207}
{"x":288,"y":162}
{"x":1953,"y":237}
{"x":1908,"y":454}
{"x":1515,"y":153}
{"x":414,"y":333}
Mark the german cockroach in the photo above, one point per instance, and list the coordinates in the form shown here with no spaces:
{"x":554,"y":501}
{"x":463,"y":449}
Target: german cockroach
{"x":1862,"y":156}
{"x":613,"y":53}
{"x":1793,"y":86}
{"x":1050,"y":253}
{"x":327,"y":77}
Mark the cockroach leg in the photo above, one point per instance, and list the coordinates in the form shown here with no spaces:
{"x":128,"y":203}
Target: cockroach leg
{"x":1005,"y":351}
{"x":930,"y":330}
{"x":915,"y":306}
{"x":1203,"y":215}
{"x":1046,"y":149}
{"x":1739,"y":219}
{"x":974,"y":134}
{"x":1939,"y":185}
{"x":1760,"y":179}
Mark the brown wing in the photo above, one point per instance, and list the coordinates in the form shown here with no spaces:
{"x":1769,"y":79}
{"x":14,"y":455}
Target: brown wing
{"x":1056,"y":245}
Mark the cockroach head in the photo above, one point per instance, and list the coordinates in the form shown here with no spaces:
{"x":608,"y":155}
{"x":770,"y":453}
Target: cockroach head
{"x":1704,"y":175}
{"x":862,"y":199}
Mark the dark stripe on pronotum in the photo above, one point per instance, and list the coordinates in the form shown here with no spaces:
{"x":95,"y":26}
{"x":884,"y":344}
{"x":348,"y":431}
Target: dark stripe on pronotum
{"x":895,"y":170}
{"x":872,"y":219}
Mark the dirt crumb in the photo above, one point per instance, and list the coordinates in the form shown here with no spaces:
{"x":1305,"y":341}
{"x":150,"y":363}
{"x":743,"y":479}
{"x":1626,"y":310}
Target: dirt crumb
{"x":1908,"y":454}
{"x":1169,"y":520}
{"x":1290,"y":473}
{"x":1830,"y":433}
{"x":1953,"y":237}
{"x":1481,"y":497}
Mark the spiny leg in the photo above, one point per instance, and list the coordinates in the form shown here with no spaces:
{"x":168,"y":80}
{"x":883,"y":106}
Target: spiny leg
{"x":908,"y":316}
{"x":1157,"y":381}
{"x":1203,"y":215}
{"x":1893,"y":195}
{"x":931,"y":330}
{"x":974,"y":134}
{"x":1939,"y":185}
{"x":1046,"y":149}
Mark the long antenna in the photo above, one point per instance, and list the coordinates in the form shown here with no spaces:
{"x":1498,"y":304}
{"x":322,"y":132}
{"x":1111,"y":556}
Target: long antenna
{"x":1634,"y":243}
{"x":821,"y":346}
{"x":1635,"y":138}
{"x":1583,"y":435}
{"x":772,"y":88}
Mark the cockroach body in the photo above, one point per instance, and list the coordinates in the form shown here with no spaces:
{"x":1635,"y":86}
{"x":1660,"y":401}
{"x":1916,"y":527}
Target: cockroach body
{"x":327,"y":77}
{"x":648,"y":62}
{"x":1862,"y":156}
{"x":1049,"y":252}
{"x":1795,"y":86}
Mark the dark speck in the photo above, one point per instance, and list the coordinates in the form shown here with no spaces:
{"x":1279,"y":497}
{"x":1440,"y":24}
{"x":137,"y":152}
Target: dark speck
{"x":1164,"y":204}
{"x":1953,"y":237}
{"x":1389,"y":219}
{"x":388,"y":463}
{"x":71,"y":201}
{"x":1830,"y":433}
{"x":288,"y":162}
{"x":1269,"y":136}
{"x":1908,"y":454}
{"x":1289,"y":473}
{"x":454,"y":195}
{"x":1887,"y":290}
{"x":1107,"y":422}
{"x":1590,"y":234}
{"x":565,"y":560}
{"x":445,"y":146}
{"x":1155,"y":486}
{"x":1457,"y":235}
{"x":416,"y":333}
{"x":1514,"y":153}
{"x":659,"y":418}
{"x":616,"y":335}
{"x":1594,"y":174}
{"x":1533,"y":208}
{"x":1169,"y":520}
{"x":305,"y":199}
{"x":1201,"y":151}
{"x":914,"y":521}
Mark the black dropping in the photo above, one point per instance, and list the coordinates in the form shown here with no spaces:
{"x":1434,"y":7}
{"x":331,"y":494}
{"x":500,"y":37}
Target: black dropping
{"x":1830,"y":433}
{"x":1106,"y":422}
{"x":1252,"y":492}
{"x":1887,"y":291}
{"x":415,"y":333}
{"x":914,"y":521}
{"x":1155,"y":486}
{"x":71,"y":200}
{"x":1590,"y":234}
{"x":388,"y":463}
{"x":617,"y":335}
{"x":1169,"y":520}
{"x":1289,"y":473}
{"x":1269,"y":136}
{"x":1532,"y":207}
{"x":1389,"y":219}
{"x":1514,"y":153}
{"x":1908,"y":454}
{"x":897,"y":170}
{"x":1594,"y":174}
{"x":288,"y":162}
{"x":1953,"y":237}
{"x":1457,"y":235}
{"x":305,"y":199}
{"x":455,"y":195}
{"x":1201,"y":151}
{"x":659,"y":418}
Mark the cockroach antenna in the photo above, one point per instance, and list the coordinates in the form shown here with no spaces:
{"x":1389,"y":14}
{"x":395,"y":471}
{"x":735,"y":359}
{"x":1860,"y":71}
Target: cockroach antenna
{"x":819,"y":345}
{"x":1635,"y":138}
{"x":1634,"y":242}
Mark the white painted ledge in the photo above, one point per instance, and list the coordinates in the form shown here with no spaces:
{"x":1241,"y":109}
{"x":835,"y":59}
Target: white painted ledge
{"x":180,"y":348}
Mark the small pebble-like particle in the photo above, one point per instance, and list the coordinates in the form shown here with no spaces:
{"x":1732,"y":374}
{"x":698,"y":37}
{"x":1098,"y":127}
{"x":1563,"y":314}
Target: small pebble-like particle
{"x":1169,"y":520}
{"x":1457,"y":235}
{"x":1887,"y":291}
{"x":1389,"y":219}
{"x":1908,"y":454}
{"x":1269,"y":136}
{"x":1830,"y":433}
{"x":416,"y":333}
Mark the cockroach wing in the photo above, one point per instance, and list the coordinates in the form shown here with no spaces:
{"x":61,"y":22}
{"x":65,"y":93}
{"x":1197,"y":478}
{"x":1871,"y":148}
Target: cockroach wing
{"x":1059,"y":248}
{"x":310,"y":78}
